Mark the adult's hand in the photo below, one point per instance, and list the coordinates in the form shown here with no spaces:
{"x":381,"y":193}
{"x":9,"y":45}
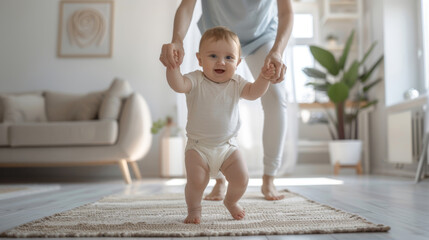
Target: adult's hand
{"x":276,"y":59}
{"x":172,"y":55}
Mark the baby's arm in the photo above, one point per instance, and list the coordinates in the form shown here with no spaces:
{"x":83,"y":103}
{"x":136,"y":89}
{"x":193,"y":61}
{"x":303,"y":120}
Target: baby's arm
{"x":257,"y":89}
{"x":177,"y":81}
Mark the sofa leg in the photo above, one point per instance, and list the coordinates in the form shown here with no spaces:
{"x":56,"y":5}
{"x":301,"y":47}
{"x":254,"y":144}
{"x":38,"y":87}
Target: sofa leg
{"x":125,"y":171}
{"x":136,"y":169}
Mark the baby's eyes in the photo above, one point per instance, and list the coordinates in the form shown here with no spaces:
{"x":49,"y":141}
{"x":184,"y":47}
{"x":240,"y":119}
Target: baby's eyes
{"x":229,"y":58}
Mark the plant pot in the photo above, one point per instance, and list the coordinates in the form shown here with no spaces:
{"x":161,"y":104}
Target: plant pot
{"x":172,"y":156}
{"x":345,"y":152}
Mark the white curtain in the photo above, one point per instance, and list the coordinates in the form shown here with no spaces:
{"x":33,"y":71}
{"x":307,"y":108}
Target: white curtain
{"x":290,"y":154}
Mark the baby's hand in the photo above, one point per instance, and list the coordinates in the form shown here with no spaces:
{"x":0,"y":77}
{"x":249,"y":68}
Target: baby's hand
{"x":268,"y":72}
{"x":176,"y":56}
{"x":175,"y":59}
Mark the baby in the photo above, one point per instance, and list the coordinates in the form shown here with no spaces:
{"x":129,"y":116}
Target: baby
{"x":212,"y":97}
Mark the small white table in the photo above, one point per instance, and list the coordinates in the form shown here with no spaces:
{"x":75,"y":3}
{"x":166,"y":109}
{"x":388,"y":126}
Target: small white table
{"x":323,"y":146}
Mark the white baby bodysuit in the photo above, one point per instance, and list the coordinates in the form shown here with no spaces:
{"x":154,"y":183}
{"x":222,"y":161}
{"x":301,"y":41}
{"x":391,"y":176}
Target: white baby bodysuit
{"x":213,"y":115}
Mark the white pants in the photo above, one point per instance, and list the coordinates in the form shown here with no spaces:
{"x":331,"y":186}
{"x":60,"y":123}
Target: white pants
{"x":274,"y":104}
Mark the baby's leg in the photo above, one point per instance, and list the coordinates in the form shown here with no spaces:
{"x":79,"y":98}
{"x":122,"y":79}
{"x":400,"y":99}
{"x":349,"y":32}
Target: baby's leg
{"x":235,"y":171}
{"x":197,"y":175}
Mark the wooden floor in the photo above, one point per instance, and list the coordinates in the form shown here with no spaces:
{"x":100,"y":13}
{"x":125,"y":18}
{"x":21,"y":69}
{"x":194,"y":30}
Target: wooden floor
{"x":396,"y":202}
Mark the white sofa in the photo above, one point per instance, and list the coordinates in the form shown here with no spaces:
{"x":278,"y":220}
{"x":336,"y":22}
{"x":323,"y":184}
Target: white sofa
{"x":60,"y":129}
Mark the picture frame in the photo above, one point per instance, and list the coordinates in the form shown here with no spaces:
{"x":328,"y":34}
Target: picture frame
{"x":85,"y":29}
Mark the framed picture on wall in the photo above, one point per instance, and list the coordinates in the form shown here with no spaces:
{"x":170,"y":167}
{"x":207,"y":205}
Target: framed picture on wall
{"x":85,"y":28}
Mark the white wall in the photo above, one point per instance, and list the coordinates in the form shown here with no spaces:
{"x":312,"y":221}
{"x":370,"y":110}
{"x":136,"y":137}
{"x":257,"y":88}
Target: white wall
{"x":401,"y":48}
{"x":28,"y":61}
{"x":376,"y":20}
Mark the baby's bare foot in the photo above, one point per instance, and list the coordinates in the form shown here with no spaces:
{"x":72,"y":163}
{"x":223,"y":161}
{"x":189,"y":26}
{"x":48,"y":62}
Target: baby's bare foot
{"x":237,"y":212}
{"x":193,"y":217}
{"x":218,"y":191}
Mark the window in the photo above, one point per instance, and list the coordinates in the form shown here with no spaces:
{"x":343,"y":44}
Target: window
{"x":404,"y":23}
{"x":303,"y":26}
{"x":302,"y":58}
{"x":304,"y":33}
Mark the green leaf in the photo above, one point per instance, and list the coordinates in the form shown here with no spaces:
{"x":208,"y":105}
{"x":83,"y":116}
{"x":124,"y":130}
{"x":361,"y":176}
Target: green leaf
{"x":154,"y":130}
{"x":372,"y":84}
{"x":373,"y":102}
{"x":314,"y":73}
{"x":326,"y":59}
{"x":319,"y":86}
{"x":368,"y":52}
{"x":338,"y":92}
{"x":343,"y":58}
{"x":366,"y":75}
{"x":157,"y":126}
{"x":352,"y":74}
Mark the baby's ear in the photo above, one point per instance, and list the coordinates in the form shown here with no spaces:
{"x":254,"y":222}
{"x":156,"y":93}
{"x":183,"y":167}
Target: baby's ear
{"x":199,"y":59}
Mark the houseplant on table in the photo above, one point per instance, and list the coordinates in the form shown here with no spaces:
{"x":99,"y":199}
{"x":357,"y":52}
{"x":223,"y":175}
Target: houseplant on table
{"x":172,"y":147}
{"x":344,"y":84}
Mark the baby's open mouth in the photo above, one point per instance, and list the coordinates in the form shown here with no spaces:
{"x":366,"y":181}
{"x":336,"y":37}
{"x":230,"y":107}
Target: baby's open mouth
{"x":219,"y":71}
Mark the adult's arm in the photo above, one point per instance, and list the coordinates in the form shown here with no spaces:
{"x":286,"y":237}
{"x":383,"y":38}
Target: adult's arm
{"x":172,"y":53}
{"x":284,"y":30}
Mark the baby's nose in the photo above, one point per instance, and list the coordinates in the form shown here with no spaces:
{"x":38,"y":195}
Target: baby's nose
{"x":221,"y":61}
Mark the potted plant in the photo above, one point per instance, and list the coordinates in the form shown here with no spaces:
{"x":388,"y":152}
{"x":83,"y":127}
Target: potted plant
{"x":344,"y":84}
{"x":172,"y":146}
{"x":160,"y":124}
{"x":332,"y":40}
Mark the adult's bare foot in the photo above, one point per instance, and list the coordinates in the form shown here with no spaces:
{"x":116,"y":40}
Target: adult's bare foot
{"x":218,"y":191}
{"x":269,"y":190}
{"x":237,"y":212}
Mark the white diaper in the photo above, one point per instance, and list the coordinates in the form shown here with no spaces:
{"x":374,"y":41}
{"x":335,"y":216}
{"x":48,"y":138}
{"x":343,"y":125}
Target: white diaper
{"x":214,"y":156}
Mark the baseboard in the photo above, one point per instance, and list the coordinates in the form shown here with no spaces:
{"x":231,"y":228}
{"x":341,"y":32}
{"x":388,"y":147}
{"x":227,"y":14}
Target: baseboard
{"x":394,"y":173}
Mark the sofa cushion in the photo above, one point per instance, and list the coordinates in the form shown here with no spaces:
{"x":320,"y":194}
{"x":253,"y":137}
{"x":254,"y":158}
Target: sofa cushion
{"x":75,"y":133}
{"x":112,"y":103}
{"x":2,"y":95}
{"x":4,"y":136}
{"x":72,"y":107}
{"x":24,"y":108}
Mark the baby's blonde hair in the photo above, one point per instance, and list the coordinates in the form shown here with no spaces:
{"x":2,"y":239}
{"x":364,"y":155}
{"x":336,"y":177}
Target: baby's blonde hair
{"x":221,"y":33}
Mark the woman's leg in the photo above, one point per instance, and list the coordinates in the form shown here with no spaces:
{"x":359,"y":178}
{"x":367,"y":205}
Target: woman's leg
{"x":274,"y":104}
{"x":197,"y":176}
{"x":218,"y":191}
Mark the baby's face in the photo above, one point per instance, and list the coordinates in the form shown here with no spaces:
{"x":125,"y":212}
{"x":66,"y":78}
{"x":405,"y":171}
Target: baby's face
{"x":219,"y":59}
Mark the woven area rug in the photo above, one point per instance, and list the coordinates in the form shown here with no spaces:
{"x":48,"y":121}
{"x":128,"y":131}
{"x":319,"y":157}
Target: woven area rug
{"x":138,"y":215}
